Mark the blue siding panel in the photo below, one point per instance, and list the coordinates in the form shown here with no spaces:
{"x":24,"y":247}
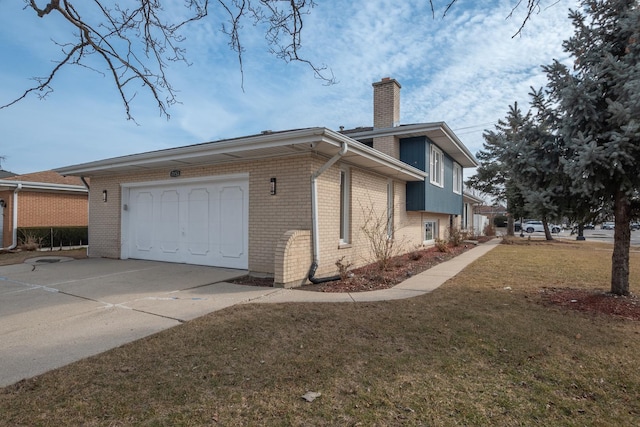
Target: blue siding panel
{"x":424,"y":196}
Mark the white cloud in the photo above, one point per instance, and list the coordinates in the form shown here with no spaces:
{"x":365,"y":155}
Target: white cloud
{"x":465,"y":69}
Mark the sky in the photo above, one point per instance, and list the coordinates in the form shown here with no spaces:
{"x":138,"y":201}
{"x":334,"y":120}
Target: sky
{"x":465,"y":69}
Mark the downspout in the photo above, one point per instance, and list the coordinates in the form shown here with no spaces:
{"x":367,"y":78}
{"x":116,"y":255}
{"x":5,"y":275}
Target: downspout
{"x":314,"y":218}
{"x":84,"y":181}
{"x":15,"y":218}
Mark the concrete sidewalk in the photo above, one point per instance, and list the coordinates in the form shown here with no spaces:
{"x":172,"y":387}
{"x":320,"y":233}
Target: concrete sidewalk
{"x":419,"y":284}
{"x":54,"y":314}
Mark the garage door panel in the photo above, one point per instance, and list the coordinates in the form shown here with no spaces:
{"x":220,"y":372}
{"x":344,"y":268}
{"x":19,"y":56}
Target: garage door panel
{"x":143,"y":229}
{"x":231,"y":224}
{"x":202,"y":223}
{"x":198,"y":213}
{"x":168,"y":231}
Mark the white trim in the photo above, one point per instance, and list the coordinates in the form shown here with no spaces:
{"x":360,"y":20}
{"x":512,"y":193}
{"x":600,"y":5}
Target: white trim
{"x":457,"y":178}
{"x":390,"y":208}
{"x":345,"y":208}
{"x":433,"y":175}
{"x":434,"y":231}
{"x":30,"y":185}
{"x":271,"y":145}
{"x":181,"y":181}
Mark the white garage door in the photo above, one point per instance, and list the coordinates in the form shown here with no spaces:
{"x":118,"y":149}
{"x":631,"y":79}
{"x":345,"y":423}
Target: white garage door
{"x":203,"y":222}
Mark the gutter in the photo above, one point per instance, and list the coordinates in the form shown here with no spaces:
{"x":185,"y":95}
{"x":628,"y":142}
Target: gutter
{"x":314,"y":217}
{"x":15,"y":217}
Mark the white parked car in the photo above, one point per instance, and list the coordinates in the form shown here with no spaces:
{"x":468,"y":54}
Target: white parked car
{"x":531,"y":226}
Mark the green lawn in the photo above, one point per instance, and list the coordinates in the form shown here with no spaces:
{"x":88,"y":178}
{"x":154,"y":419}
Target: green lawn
{"x":470,"y":353}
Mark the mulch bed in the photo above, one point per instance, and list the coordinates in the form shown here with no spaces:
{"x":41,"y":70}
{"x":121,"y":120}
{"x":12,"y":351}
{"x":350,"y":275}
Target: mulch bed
{"x":590,"y":301}
{"x":371,"y":278}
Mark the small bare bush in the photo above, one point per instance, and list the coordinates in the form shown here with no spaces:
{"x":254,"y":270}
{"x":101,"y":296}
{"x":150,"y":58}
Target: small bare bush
{"x":343,"y":268}
{"x":442,"y":245}
{"x":376,"y":229}
{"x":456,"y":236}
{"x":29,"y":242}
{"x":489,"y":230}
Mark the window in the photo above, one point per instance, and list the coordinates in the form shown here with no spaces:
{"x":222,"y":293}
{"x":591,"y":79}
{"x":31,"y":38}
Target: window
{"x":390,"y":209}
{"x":345,"y":197}
{"x":437,"y":166}
{"x":457,"y":179}
{"x":430,"y":231}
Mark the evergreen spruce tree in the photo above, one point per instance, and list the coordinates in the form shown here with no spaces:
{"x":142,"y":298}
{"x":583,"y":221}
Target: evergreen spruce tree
{"x":494,"y":175}
{"x":598,"y":103}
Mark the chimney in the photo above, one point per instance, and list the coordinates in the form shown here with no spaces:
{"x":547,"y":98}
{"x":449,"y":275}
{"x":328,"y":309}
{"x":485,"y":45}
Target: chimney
{"x":386,"y":103}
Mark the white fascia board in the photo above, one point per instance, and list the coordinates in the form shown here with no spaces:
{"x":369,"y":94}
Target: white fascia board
{"x":377,"y":156}
{"x":229,"y":146}
{"x":422,"y":129}
{"x":27,"y":185}
{"x":303,"y":140}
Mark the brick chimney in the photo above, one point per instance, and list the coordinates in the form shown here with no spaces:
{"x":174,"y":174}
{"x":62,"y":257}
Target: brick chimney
{"x":386,"y":103}
{"x":386,"y":114}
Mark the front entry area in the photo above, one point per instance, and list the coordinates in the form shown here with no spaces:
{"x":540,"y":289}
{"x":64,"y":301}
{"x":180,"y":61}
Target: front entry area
{"x":201,"y":221}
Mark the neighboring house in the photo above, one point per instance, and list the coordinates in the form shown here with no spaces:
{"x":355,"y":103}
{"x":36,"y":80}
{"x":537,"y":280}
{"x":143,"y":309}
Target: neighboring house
{"x":279,"y":203}
{"x":491,"y":211}
{"x":41,"y":199}
{"x":6,"y":174}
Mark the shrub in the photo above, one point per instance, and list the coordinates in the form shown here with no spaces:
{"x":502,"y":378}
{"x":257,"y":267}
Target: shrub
{"x":489,"y":230}
{"x":456,"y":236}
{"x":442,"y":245}
{"x":376,"y":229}
{"x":51,"y":237}
{"x":29,"y":242}
{"x":343,"y":268}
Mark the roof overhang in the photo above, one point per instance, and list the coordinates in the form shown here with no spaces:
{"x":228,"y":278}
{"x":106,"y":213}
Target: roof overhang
{"x":320,"y":141}
{"x":437,"y":132}
{"x":470,"y":198}
{"x":40,"y":186}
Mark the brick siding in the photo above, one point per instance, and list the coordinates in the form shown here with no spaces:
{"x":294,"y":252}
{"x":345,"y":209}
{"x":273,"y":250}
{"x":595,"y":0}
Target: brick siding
{"x":43,"y":209}
{"x":273,"y":219}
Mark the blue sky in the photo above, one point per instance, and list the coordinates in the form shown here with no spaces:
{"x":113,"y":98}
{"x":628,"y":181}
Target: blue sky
{"x":464,"y":69}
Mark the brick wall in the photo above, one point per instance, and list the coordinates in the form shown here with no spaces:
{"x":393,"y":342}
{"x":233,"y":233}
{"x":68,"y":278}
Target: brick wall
{"x":273,"y":220}
{"x":39,"y":209}
{"x":269,"y":216}
{"x":43,"y":209}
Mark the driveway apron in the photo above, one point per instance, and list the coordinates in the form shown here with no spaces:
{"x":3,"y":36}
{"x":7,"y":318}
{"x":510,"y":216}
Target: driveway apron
{"x":52,"y":314}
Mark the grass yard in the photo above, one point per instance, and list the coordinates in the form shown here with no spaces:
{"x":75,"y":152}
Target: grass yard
{"x":484,"y":349}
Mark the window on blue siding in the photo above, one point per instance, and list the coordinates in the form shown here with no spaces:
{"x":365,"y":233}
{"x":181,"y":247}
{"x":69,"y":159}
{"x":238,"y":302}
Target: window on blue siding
{"x":437,"y":166}
{"x":457,"y":179}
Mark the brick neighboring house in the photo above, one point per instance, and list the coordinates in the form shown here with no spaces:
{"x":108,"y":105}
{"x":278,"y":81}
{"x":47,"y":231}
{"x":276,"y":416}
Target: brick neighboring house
{"x":43,"y":199}
{"x":287,"y":204}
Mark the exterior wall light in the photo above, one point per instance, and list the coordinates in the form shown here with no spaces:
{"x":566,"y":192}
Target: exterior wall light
{"x":273,"y":186}
{"x":104,"y":195}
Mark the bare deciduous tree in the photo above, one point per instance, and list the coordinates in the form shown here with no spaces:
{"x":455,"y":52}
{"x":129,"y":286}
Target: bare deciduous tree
{"x":134,"y":44}
{"x":137,"y":43}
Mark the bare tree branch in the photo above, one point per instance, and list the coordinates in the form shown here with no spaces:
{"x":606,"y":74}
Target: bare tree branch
{"x":136,"y":42}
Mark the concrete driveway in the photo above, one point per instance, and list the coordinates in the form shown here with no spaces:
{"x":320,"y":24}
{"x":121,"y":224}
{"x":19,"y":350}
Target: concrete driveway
{"x":52,"y":314}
